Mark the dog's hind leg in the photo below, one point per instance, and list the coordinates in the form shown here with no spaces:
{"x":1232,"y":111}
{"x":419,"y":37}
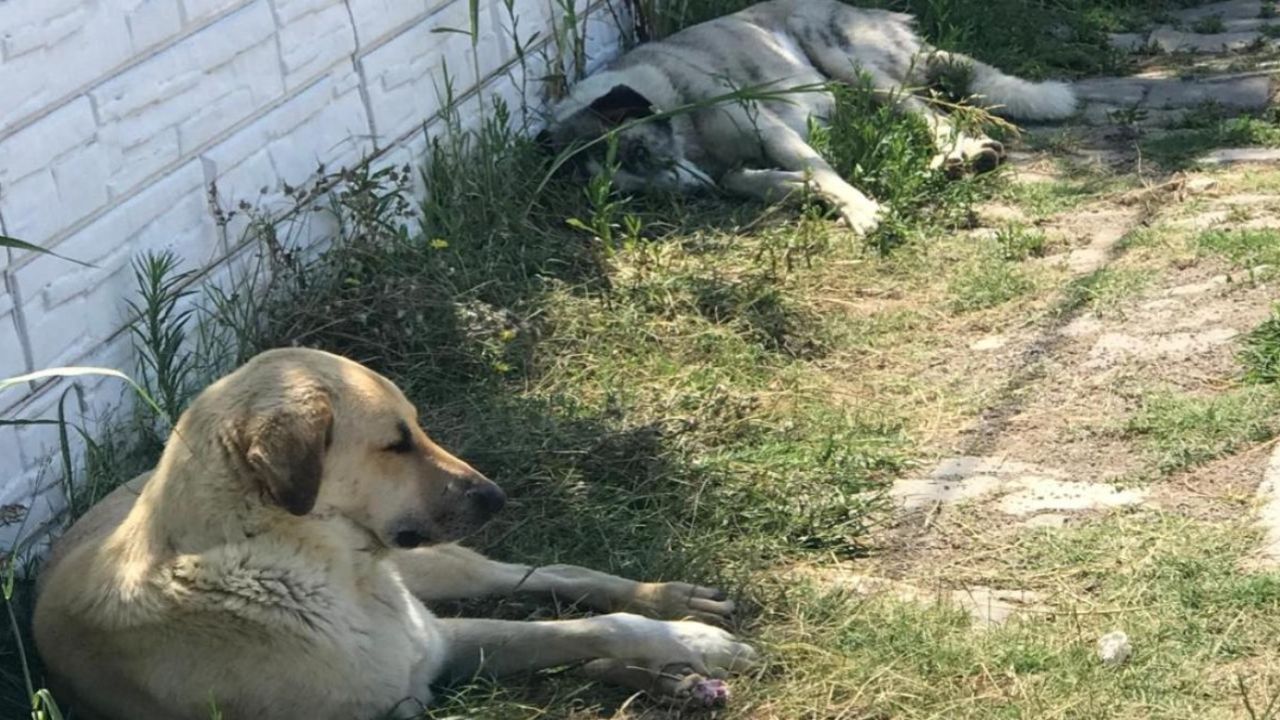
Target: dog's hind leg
{"x":452,"y":572}
{"x":957,"y":151}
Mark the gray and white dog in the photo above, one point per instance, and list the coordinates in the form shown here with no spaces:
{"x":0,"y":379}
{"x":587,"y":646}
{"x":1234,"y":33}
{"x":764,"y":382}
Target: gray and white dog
{"x":760,"y":148}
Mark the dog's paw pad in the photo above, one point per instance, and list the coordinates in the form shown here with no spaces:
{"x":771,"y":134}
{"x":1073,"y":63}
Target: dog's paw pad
{"x":692,"y":690}
{"x":709,"y":693}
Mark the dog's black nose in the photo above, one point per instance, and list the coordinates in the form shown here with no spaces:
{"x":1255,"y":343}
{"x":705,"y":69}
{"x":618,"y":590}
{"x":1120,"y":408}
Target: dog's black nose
{"x":487,"y":497}
{"x":408,"y":539}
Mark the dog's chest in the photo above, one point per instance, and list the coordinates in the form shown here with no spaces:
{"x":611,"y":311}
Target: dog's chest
{"x":368,"y":643}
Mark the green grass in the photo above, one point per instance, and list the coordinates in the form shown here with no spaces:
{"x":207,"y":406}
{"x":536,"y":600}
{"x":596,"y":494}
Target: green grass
{"x":1042,"y":199}
{"x":1105,"y":290}
{"x":1261,"y":352}
{"x":1183,"y":431}
{"x":987,"y":282}
{"x":1209,"y":24}
{"x":1180,"y":148}
{"x":1018,"y":242}
{"x":1246,"y":249}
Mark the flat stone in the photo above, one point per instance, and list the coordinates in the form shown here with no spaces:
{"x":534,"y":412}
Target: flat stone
{"x":1023,"y":489}
{"x":1234,"y":156}
{"x":1038,"y":494}
{"x":1171,"y":40}
{"x":1268,"y":498}
{"x":1249,"y":24}
{"x":1230,"y":10}
{"x":1244,"y":93}
{"x":991,"y":342}
{"x":1120,"y":92}
{"x":921,"y":493}
{"x":987,"y":606}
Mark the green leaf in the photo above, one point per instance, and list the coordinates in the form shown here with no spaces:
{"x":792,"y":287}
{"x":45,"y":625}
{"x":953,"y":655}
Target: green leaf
{"x":6,"y":241}
{"x":43,"y":700}
{"x":48,"y":373}
{"x":475,"y":22}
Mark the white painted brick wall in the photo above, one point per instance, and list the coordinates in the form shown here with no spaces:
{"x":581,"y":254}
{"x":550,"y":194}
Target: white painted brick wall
{"x":119,"y":114}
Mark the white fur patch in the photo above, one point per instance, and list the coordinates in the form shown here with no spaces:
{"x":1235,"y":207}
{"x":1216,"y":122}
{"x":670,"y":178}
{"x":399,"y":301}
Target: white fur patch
{"x":788,"y":47}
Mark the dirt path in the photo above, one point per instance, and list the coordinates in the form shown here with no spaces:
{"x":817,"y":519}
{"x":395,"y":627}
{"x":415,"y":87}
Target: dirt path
{"x":1139,"y":314}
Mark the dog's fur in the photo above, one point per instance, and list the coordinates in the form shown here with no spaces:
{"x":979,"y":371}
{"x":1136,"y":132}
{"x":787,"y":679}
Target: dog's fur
{"x":274,"y":563}
{"x":759,"y":148}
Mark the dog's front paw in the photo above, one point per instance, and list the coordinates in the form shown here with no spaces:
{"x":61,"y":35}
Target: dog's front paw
{"x":655,"y":644}
{"x":679,"y":601}
{"x":711,"y":651}
{"x":862,"y":216}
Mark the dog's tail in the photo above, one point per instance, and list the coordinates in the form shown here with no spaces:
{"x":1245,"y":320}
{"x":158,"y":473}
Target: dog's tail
{"x":1009,"y":95}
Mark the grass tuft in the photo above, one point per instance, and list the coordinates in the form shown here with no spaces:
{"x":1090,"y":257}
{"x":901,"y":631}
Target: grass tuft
{"x":1246,"y":249}
{"x":1261,"y":352}
{"x":1183,"y":431}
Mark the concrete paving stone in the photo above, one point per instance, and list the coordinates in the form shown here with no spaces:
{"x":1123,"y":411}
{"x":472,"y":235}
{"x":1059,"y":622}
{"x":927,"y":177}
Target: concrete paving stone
{"x":1236,"y":156}
{"x":1117,"y":91}
{"x":1245,"y":93}
{"x":1172,"y":40}
{"x":1230,"y":10}
{"x":1022,"y":489}
{"x":1268,"y":498}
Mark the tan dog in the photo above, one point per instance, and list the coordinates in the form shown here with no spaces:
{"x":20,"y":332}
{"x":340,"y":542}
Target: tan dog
{"x":274,"y":563}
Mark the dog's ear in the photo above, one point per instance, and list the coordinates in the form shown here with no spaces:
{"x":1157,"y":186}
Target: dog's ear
{"x":621,"y":104}
{"x":543,"y":141}
{"x":284,"y":441}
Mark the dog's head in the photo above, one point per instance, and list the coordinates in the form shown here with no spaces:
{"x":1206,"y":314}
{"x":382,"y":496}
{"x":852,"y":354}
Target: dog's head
{"x":650,"y":154}
{"x":312,"y":432}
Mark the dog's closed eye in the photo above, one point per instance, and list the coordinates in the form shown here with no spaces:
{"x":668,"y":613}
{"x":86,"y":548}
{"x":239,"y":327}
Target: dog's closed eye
{"x":405,"y":442}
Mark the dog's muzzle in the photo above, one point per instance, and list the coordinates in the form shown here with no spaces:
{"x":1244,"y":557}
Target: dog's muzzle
{"x":481,"y":500}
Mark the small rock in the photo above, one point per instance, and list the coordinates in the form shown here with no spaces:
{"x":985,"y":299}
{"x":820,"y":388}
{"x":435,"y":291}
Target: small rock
{"x":991,"y":342}
{"x":1114,"y":647}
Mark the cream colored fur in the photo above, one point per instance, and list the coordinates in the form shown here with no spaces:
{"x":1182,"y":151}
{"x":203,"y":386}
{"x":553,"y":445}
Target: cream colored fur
{"x":256,"y":569}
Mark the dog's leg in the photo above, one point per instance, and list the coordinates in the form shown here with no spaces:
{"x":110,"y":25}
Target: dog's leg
{"x":500,"y":647}
{"x":957,"y":151}
{"x":788,"y":149}
{"x":452,"y":572}
{"x":767,"y":185}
